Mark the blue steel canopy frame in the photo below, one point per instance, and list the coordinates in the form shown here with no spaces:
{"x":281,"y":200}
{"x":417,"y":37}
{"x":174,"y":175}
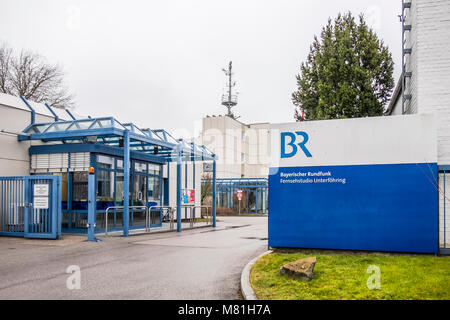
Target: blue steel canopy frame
{"x":108,"y":133}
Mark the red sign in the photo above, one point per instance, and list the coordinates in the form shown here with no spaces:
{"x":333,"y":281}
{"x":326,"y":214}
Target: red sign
{"x":239,"y":194}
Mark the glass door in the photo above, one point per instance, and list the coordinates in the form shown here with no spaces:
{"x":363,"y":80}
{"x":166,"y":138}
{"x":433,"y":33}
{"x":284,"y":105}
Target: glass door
{"x":154,"y":199}
{"x":139,"y":199}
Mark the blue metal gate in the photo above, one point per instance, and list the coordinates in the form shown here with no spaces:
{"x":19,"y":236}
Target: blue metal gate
{"x":444,"y":217}
{"x":30,"y":206}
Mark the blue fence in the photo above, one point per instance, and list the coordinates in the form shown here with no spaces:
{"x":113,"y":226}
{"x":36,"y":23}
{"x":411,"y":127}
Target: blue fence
{"x":444,"y":200}
{"x":30,"y":206}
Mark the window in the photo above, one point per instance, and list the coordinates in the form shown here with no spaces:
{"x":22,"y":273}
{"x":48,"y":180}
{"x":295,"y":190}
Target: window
{"x":105,"y":162}
{"x":120,"y":164}
{"x":154,"y":169}
{"x":105,"y":185}
{"x":140,"y":167}
{"x":119,"y":188}
{"x":80,"y":190}
{"x":153,"y":188}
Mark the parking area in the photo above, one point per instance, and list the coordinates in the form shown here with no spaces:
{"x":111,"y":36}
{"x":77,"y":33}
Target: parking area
{"x":203,"y":263}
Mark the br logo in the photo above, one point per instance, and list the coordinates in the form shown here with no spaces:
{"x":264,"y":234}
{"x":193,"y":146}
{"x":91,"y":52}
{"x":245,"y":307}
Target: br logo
{"x":289,"y":139}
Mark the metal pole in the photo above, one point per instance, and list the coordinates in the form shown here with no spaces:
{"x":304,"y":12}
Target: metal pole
{"x":229,"y":88}
{"x":33,"y":112}
{"x":185,"y":184}
{"x":214,"y":194}
{"x":403,"y":57}
{"x":91,"y":207}
{"x":126,"y":183}
{"x":193,"y":177}
{"x":178,"y":189}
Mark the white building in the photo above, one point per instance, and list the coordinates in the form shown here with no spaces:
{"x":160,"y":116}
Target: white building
{"x":427,"y":67}
{"x":426,"y":86}
{"x":243,"y":149}
{"x":16,"y":116}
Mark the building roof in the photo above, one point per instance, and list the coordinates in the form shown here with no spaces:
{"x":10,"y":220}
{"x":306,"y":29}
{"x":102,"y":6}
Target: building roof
{"x":395,"y":96}
{"x":39,"y":108}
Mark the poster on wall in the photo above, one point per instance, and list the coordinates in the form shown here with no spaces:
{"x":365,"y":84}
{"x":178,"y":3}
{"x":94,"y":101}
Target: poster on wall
{"x":188,"y":196}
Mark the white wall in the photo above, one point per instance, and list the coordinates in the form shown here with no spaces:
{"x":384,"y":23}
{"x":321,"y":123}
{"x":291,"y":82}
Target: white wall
{"x":14,"y":117}
{"x":430,"y":67}
{"x":433,"y":67}
{"x":242,"y":150}
{"x":173,"y":183}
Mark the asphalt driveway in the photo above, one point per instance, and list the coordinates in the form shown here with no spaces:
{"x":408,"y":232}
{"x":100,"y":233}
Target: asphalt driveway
{"x":197,"y":264}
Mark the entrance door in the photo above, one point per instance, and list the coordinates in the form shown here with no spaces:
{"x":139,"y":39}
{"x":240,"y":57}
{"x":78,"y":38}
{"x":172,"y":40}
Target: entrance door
{"x":154,"y":199}
{"x":139,"y":199}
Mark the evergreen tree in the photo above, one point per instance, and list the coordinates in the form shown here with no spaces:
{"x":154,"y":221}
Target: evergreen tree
{"x":347,"y":74}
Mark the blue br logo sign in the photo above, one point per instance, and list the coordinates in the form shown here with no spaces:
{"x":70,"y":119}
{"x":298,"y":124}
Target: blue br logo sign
{"x":289,"y":139}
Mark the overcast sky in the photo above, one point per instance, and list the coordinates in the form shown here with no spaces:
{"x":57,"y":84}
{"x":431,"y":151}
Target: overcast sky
{"x":158,"y":63}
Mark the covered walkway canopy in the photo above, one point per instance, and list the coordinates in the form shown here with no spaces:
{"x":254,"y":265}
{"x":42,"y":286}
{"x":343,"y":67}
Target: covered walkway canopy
{"x":127,"y":139}
{"x":110,"y":132}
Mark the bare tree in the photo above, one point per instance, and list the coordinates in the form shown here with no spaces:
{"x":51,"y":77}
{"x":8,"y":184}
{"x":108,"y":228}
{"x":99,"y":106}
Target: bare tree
{"x":31,"y":76}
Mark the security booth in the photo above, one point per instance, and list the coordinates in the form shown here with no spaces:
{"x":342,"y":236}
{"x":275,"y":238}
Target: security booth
{"x":111,"y":173}
{"x":243,"y":195}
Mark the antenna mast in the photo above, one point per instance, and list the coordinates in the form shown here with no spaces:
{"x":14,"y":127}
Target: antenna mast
{"x":229,"y":99}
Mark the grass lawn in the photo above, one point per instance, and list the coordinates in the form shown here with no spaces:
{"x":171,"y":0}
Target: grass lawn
{"x":344,"y":276}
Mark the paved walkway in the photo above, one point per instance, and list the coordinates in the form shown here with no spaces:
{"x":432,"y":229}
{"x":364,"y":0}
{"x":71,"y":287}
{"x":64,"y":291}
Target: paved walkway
{"x":195,"y":264}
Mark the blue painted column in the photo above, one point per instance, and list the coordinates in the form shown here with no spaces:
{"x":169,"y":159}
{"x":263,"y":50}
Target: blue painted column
{"x":59,"y":204}
{"x":193,"y":179}
{"x":178,"y":189}
{"x":33,"y":112}
{"x":214,"y":194}
{"x":257,"y":200}
{"x":126,"y":183}
{"x":91,"y":206}
{"x":69,"y":196}
{"x":185,"y":184}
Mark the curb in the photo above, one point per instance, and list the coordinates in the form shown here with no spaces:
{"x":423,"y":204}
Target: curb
{"x":246,"y":288}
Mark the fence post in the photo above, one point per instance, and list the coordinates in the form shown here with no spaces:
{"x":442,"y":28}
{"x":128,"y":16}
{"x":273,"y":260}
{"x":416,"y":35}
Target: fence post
{"x":214,"y":194}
